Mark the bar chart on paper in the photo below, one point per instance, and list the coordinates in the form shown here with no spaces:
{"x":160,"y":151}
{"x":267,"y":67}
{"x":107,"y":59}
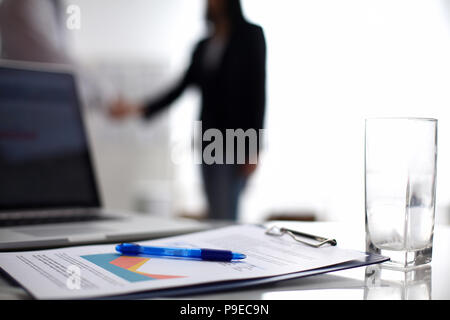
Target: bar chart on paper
{"x":126,"y":267}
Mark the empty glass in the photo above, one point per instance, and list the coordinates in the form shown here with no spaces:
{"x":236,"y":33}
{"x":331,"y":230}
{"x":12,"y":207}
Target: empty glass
{"x":400,"y":184}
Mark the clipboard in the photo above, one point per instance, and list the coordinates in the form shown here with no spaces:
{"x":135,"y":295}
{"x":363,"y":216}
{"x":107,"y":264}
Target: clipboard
{"x":270,"y":259}
{"x":248,"y":283}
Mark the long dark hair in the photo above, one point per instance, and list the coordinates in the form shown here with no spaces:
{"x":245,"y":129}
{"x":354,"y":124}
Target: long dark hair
{"x":235,"y":12}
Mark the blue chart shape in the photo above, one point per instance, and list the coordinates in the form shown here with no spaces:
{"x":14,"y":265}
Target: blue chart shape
{"x":103,"y":261}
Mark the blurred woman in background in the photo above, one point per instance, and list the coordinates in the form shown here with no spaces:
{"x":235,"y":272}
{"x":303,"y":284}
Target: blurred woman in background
{"x":229,"y":69}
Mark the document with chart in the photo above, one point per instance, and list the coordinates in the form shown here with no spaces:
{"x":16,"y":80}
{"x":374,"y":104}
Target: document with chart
{"x":100,"y":271}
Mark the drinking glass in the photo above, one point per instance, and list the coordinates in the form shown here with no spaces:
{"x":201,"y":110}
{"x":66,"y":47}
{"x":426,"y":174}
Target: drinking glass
{"x":400,"y":188}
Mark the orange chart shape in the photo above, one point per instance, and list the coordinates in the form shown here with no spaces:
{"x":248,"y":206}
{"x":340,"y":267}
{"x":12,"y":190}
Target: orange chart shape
{"x":134,"y":263}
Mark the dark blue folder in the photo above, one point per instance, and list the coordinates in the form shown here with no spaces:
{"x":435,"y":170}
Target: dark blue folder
{"x":238,"y":284}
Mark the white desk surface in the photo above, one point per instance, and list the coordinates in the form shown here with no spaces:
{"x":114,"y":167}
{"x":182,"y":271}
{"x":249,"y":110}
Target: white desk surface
{"x":431,"y":282}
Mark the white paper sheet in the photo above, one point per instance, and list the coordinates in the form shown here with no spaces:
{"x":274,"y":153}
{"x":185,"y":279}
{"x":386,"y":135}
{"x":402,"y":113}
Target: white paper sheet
{"x":97,"y":271}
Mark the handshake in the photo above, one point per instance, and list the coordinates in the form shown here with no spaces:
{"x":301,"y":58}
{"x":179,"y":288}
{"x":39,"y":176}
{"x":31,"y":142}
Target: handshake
{"x":122,"y":109}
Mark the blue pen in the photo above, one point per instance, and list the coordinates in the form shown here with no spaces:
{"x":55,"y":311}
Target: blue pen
{"x":203,"y":254}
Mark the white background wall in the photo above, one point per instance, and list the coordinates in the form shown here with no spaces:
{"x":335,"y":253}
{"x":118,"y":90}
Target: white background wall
{"x":331,"y":64}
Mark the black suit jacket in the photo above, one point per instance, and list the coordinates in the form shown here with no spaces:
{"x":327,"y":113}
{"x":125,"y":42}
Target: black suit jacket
{"x":234,"y":95}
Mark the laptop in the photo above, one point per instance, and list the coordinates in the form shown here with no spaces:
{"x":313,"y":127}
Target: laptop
{"x":49,"y":195}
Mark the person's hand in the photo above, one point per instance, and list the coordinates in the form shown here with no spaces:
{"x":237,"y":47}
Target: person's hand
{"x":248,"y":169}
{"x":122,"y":109}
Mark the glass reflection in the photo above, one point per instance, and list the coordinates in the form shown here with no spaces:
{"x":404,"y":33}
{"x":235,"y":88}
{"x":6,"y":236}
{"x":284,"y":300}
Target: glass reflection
{"x":386,"y":283}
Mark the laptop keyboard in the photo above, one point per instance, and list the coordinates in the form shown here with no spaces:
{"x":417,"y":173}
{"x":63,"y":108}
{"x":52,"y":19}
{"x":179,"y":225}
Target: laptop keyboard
{"x":35,"y":218}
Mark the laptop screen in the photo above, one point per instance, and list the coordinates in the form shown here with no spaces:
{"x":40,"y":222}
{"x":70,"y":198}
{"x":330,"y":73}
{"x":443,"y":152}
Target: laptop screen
{"x":44,"y":156}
